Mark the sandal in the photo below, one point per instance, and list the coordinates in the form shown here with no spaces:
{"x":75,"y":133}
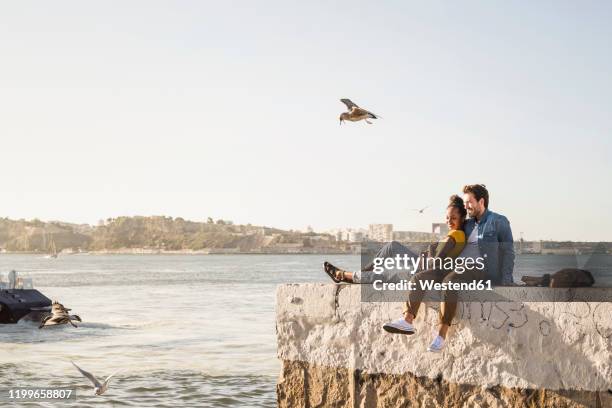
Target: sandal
{"x":331,"y":270}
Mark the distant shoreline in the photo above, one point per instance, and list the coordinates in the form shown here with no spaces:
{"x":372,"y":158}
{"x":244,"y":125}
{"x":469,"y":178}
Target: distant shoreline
{"x":138,"y":252}
{"x":97,"y":253}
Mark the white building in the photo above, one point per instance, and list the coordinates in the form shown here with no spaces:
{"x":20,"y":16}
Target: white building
{"x":381,"y":232}
{"x":439,"y":228}
{"x":355,"y":236}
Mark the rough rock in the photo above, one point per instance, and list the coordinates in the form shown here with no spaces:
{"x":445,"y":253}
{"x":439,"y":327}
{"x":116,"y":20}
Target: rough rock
{"x":501,"y":354}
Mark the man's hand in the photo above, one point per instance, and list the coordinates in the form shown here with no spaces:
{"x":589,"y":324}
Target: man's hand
{"x":433,"y":247}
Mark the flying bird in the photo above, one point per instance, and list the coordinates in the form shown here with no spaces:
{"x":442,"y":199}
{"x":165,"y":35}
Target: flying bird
{"x":420,"y":211}
{"x":59,"y":315}
{"x":355,"y":113}
{"x":99,"y":388}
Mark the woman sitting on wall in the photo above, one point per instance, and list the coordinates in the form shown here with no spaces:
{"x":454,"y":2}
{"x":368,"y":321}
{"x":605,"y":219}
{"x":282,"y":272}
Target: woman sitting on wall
{"x":450,"y":247}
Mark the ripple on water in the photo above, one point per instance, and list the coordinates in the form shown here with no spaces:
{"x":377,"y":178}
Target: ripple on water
{"x":157,"y":388}
{"x":28,"y":332}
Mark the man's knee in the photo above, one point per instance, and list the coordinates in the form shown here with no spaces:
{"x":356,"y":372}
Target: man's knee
{"x":392,"y":247}
{"x":389,"y":250}
{"x":395,"y":245}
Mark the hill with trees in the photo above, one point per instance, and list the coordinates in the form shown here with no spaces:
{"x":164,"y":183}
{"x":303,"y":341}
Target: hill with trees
{"x":158,"y":233}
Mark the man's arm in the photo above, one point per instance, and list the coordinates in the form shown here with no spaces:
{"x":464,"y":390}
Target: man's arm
{"x":506,"y":250}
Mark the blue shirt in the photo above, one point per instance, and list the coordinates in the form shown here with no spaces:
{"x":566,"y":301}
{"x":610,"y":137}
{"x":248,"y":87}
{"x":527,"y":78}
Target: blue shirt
{"x":496,"y":245}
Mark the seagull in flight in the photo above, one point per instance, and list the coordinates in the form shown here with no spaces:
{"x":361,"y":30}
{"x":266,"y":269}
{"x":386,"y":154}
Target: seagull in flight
{"x":420,"y":211}
{"x":99,"y":388}
{"x":355,"y":113}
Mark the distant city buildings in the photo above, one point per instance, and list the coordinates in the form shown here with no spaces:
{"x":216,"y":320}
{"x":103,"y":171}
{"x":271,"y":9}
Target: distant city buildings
{"x":440,"y":229}
{"x":413,"y":236}
{"x":349,"y":234}
{"x":380,"y":232}
{"x":526,"y":247}
{"x":385,"y":233}
{"x":355,"y":236}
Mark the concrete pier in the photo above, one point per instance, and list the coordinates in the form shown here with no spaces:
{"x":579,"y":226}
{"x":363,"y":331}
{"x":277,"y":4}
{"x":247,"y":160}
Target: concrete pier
{"x":498,"y":354}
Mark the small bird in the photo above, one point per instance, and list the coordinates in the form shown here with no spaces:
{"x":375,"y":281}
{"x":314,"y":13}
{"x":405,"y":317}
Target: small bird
{"x":99,"y":389}
{"x":420,"y":211}
{"x":59,"y":315}
{"x":355,"y":113}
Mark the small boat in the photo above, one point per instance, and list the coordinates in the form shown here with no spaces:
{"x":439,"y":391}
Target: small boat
{"x":18,"y":300}
{"x":52,"y":250}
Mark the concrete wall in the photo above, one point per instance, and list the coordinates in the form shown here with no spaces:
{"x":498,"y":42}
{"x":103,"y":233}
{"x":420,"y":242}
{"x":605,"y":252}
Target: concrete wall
{"x":563,"y":351}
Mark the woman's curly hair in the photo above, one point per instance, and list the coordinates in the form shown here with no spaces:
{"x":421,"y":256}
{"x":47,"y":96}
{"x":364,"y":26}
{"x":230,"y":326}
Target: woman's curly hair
{"x":457,"y":202}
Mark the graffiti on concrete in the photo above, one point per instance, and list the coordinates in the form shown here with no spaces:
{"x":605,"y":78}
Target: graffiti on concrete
{"x":512,"y":315}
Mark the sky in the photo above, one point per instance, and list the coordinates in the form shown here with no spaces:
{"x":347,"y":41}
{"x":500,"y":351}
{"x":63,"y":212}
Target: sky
{"x":230,"y":110}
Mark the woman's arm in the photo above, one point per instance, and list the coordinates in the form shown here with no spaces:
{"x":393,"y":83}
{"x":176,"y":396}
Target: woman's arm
{"x":444,"y":247}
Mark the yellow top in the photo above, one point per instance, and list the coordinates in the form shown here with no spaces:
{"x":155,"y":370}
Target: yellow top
{"x":459,"y":237}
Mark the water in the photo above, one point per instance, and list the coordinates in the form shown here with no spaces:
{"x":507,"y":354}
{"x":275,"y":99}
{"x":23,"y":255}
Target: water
{"x":184,"y":330}
{"x":600,"y":266}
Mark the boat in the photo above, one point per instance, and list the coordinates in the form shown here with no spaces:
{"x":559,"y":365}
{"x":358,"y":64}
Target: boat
{"x":52,"y":250}
{"x":19,"y":300}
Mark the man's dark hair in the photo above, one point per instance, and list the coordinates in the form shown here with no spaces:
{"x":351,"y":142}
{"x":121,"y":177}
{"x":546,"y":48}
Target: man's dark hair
{"x":479,"y":191}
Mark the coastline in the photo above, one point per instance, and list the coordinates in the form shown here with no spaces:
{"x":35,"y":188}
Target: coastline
{"x":234,"y":251}
{"x":143,"y":251}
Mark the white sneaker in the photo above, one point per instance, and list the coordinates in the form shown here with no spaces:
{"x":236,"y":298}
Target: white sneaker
{"x":436,"y":345}
{"x":400,"y":326}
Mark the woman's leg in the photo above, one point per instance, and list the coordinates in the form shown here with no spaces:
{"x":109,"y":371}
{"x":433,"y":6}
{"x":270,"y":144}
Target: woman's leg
{"x":338,"y":274}
{"x":448,"y":308}
{"x":404,"y":325}
{"x":447,"y":313}
{"x":415,"y":296}
{"x":390,"y":250}
{"x":366,"y":275}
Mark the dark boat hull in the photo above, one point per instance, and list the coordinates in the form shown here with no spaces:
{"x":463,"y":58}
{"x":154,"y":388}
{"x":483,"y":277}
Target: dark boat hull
{"x":17,"y":303}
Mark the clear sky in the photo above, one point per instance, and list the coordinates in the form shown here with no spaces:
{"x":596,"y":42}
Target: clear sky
{"x":230,"y":110}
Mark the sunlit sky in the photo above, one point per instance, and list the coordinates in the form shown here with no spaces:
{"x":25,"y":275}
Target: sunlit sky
{"x":230,"y":110}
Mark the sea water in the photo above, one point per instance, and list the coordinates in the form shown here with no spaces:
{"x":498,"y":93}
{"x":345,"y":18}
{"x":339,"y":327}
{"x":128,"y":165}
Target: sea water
{"x":185,"y":330}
